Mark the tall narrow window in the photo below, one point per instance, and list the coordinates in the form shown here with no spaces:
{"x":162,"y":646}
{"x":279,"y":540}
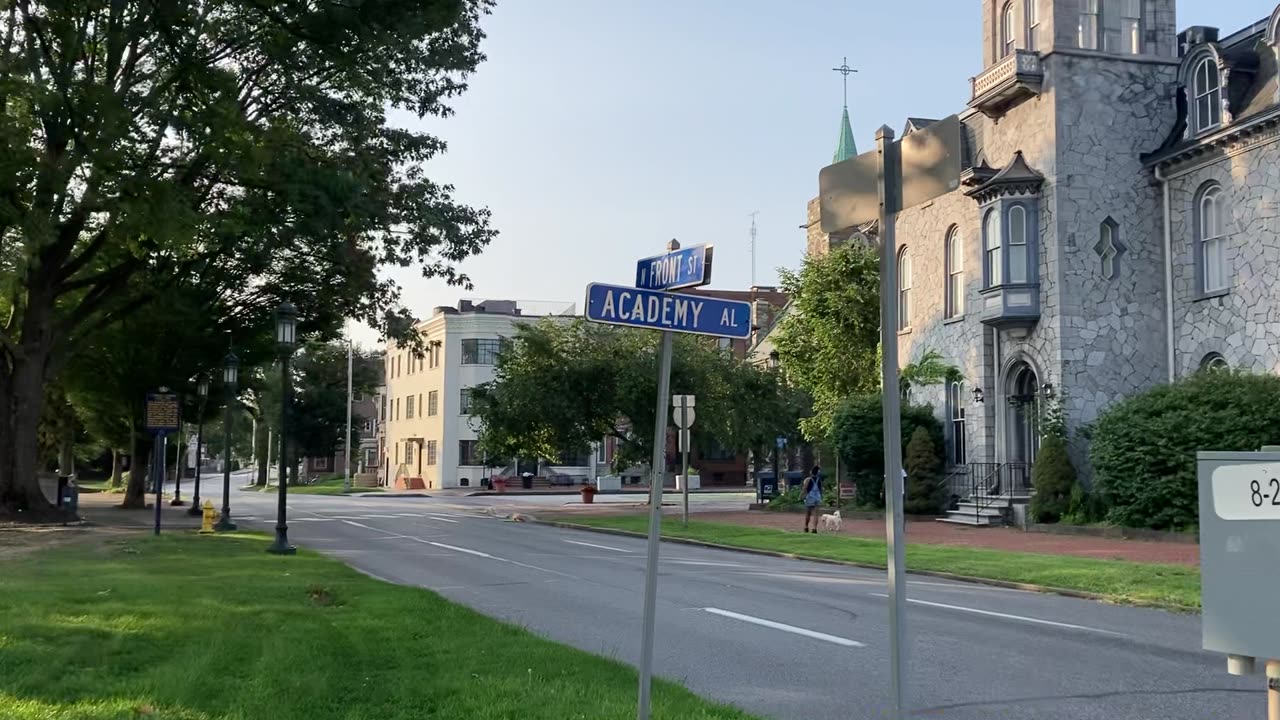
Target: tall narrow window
{"x":1208,"y":95}
{"x":464,"y":401}
{"x":1089,"y":12}
{"x":1212,"y":240}
{"x":1017,"y":244}
{"x":1109,"y":248}
{"x":955,"y":274}
{"x":408,"y":408}
{"x":433,"y":402}
{"x":432,"y":452}
{"x":1008,"y":33}
{"x":955,"y":401}
{"x":904,"y":289}
{"x":1031,"y":10}
{"x":1131,"y":27}
{"x":991,"y":236}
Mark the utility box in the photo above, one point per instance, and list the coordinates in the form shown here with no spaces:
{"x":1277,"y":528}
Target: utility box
{"x":609,"y":484}
{"x":1239,"y":548}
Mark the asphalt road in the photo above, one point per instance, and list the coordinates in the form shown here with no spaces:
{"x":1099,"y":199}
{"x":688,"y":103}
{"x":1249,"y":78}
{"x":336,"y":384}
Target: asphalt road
{"x":782,"y":638}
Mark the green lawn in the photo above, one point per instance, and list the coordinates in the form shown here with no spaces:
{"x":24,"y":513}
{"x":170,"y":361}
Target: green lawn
{"x":1169,"y":586}
{"x":96,"y":486}
{"x":186,"y":627}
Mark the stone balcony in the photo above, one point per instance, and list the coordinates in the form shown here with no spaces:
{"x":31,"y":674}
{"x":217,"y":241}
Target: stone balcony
{"x":1011,"y":306}
{"x":1007,"y":83}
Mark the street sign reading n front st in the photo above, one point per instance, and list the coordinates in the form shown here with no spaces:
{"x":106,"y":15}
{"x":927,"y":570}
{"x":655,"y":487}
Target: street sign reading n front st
{"x":695,"y":314}
{"x":684,"y":268}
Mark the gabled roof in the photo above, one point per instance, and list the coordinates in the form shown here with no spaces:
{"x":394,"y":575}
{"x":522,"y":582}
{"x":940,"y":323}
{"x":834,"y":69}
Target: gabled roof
{"x":1017,"y":178}
{"x":914,"y":124}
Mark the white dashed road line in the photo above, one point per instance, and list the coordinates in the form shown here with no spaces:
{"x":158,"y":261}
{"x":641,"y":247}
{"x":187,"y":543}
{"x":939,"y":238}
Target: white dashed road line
{"x":602,"y":547}
{"x":833,"y":639}
{"x":1020,"y":618}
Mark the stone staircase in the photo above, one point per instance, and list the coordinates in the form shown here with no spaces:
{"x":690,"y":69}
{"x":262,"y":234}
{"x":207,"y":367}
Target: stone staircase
{"x":988,"y":494}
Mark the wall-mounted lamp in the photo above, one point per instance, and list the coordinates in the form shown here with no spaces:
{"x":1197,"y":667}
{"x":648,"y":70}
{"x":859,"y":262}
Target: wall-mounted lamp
{"x":1047,"y":389}
{"x":977,"y":395}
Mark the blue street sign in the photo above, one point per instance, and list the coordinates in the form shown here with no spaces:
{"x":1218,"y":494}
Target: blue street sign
{"x":696,"y":314}
{"x":684,"y":268}
{"x":162,"y":413}
{"x":782,"y":442}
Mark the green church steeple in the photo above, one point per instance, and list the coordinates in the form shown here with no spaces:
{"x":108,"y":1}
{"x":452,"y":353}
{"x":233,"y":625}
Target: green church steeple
{"x":846,"y":148}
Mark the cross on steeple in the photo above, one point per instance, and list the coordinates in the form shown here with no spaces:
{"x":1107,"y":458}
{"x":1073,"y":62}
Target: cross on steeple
{"x":846,"y":71}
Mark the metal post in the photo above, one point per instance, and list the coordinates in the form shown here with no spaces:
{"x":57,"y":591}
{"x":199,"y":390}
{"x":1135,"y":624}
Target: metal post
{"x":224,"y":523}
{"x":177,"y":472}
{"x":281,"y":545}
{"x":270,"y":441}
{"x":195,"y":500}
{"x":687,"y":436}
{"x":346,"y":480}
{"x":157,"y":471}
{"x":655,"y":525}
{"x":890,"y":190}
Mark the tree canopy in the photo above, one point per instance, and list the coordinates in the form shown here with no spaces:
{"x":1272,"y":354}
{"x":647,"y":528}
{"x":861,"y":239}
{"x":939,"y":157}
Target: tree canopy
{"x":827,"y":340}
{"x":234,"y":145}
{"x":565,"y":385}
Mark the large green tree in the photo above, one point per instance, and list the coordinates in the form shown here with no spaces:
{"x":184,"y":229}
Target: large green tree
{"x":827,"y":340}
{"x":235,"y":144}
{"x":565,"y":385}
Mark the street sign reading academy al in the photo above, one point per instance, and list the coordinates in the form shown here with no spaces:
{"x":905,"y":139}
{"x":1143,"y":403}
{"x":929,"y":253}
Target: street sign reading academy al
{"x":696,"y":314}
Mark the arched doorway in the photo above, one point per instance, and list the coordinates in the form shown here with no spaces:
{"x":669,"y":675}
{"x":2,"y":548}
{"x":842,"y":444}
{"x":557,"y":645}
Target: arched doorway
{"x":1022,"y":426}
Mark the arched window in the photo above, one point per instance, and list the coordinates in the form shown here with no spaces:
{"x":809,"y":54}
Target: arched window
{"x":1214,"y":362}
{"x":1018,"y":244}
{"x":904,"y":289}
{"x":1090,"y":12}
{"x":1207,"y":90}
{"x":991,"y":237}
{"x":956,"y":413}
{"x":955,"y":273}
{"x":1211,"y":240}
{"x":1031,"y":13}
{"x":1008,"y":33}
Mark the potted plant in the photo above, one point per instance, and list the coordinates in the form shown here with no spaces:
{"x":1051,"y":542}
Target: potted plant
{"x":694,"y":480}
{"x":588,"y":494}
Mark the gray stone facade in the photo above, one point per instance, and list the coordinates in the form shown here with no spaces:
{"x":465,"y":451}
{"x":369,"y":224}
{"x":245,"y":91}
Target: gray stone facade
{"x":1100,"y":131}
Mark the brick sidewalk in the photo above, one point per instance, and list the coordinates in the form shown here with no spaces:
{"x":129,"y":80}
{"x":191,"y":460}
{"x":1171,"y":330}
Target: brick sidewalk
{"x":930,"y":532}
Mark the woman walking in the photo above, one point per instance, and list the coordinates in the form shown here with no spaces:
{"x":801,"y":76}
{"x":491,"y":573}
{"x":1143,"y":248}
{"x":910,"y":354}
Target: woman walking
{"x":811,"y":491}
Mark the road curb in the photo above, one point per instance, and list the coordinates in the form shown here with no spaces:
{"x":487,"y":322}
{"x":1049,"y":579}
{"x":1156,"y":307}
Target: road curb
{"x":990,"y":582}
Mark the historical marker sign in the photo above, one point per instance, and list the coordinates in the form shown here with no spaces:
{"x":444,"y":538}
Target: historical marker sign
{"x":162,"y":414}
{"x":695,"y":314}
{"x":684,"y":268}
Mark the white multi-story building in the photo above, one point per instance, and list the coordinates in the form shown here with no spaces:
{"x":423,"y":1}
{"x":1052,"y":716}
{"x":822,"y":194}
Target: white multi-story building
{"x":430,"y":434}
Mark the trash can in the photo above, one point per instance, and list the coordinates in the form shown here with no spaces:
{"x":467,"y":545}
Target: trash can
{"x":526,"y":481}
{"x":69,"y":497}
{"x":766,"y":486}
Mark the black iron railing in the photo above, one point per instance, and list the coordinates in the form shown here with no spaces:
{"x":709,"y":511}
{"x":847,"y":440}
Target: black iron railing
{"x":988,"y":485}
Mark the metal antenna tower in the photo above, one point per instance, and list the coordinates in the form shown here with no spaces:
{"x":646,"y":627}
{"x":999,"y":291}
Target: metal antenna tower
{"x":753,"y":246}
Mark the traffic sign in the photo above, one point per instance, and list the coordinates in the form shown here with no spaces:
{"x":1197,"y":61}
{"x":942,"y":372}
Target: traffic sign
{"x":162,"y":413}
{"x":695,"y":314}
{"x":782,"y":442}
{"x":684,"y":268}
{"x":682,"y":411}
{"x":1239,"y":535}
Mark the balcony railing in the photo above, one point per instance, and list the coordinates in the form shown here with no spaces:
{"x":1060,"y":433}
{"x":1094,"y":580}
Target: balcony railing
{"x":1015,"y":78}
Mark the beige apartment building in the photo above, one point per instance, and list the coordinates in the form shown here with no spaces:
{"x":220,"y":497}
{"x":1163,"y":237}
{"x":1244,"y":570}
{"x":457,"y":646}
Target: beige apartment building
{"x":429,"y":434}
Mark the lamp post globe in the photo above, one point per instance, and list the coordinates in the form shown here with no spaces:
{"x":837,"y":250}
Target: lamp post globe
{"x":286,"y":342}
{"x":202,"y":392}
{"x":230,"y":370}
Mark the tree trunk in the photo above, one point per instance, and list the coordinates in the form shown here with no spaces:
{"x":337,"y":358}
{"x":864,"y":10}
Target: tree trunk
{"x":135,"y":496}
{"x":116,"y":464}
{"x":21,"y":403}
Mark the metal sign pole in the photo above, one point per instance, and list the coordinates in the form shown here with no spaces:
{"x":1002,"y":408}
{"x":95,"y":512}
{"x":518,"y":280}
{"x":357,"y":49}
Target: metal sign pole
{"x":687,"y":436}
{"x":346,"y":479}
{"x":888,"y":176}
{"x":157,"y":472}
{"x":655,"y":525}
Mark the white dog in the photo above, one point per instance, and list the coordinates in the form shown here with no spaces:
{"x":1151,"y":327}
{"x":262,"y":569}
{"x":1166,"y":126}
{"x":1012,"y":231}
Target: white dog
{"x":831,"y":522}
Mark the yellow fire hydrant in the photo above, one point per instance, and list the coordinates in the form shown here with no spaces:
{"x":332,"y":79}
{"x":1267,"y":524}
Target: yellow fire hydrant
{"x":206,"y":525}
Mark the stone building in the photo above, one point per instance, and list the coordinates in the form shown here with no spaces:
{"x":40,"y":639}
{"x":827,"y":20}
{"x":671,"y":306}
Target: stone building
{"x":1115,"y":227}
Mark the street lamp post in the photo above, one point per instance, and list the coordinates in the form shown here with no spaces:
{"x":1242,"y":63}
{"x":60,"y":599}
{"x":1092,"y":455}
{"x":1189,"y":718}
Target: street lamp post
{"x":230,"y":366}
{"x":202,"y":389}
{"x":286,"y":341}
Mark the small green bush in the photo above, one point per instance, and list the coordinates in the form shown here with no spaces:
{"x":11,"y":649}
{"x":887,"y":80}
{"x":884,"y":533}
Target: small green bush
{"x":787,"y":500}
{"x":1144,"y":448}
{"x":858,"y":435}
{"x":1053,"y":481}
{"x":926,"y":495}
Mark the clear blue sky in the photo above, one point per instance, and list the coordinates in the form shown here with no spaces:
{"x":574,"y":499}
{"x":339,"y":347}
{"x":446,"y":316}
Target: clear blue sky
{"x":596,"y":130}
